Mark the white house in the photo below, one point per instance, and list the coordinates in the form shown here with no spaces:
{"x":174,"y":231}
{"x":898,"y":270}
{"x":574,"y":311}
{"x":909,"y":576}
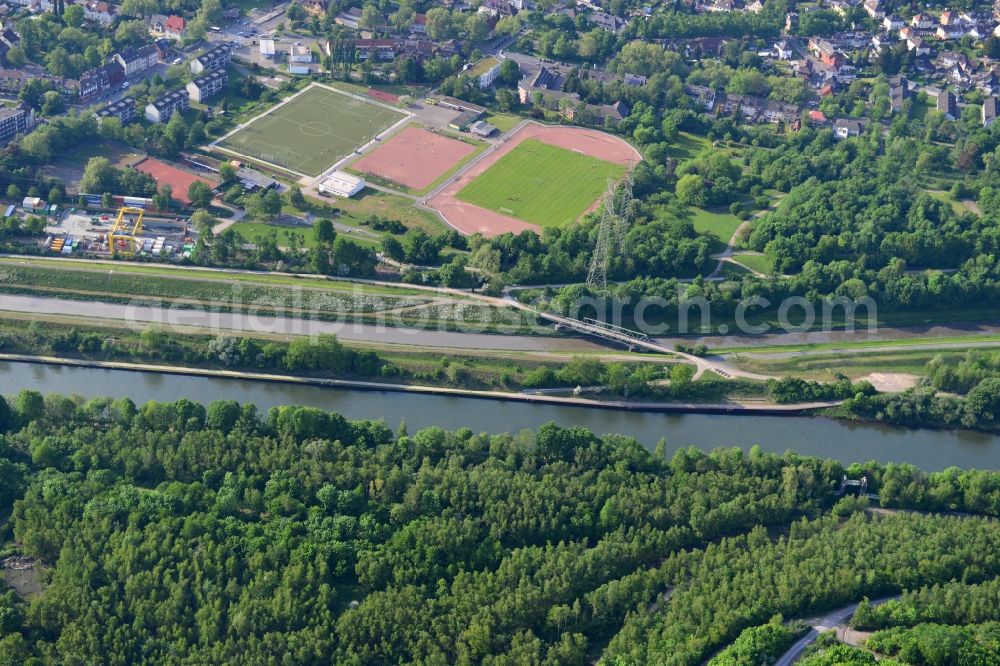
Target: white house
{"x":485,"y":71}
{"x":160,"y":110}
{"x":892,"y":23}
{"x":845,"y":127}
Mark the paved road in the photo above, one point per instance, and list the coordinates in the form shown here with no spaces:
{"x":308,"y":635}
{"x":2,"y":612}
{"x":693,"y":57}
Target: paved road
{"x":833,"y":620}
{"x":140,"y":316}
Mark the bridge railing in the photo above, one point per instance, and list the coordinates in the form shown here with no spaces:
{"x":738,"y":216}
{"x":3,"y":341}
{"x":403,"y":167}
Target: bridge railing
{"x":618,"y":330}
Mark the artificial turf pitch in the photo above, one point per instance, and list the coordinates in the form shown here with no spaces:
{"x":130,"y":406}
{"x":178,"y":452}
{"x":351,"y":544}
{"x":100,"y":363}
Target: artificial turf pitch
{"x":543,"y":184}
{"x":312,"y":132}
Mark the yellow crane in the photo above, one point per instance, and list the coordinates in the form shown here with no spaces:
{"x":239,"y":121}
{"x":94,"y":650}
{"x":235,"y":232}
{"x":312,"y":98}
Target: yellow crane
{"x":120,"y":238}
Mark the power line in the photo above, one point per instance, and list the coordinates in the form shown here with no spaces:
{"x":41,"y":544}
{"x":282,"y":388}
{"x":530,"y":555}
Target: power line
{"x":616,"y":217}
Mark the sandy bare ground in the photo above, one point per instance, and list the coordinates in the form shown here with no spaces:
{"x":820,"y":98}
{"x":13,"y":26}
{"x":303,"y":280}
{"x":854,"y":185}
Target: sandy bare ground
{"x":892,"y":382}
{"x":414,"y":158}
{"x":470,"y":219}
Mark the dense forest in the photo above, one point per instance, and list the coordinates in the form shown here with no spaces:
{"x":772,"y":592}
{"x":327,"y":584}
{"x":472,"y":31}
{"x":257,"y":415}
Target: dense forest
{"x":175,"y":532}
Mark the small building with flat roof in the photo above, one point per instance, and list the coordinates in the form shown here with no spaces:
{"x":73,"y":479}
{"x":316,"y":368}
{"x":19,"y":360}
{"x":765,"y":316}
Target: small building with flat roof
{"x":341,"y":184}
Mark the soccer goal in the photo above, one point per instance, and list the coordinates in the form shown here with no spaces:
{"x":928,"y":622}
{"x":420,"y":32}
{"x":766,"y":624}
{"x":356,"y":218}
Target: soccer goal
{"x":506,"y":211}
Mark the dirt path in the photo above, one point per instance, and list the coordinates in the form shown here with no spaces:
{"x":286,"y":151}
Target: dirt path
{"x":726,"y":256}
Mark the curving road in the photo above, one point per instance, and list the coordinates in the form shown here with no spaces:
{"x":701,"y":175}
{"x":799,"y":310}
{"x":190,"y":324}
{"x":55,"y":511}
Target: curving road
{"x":831,"y":621}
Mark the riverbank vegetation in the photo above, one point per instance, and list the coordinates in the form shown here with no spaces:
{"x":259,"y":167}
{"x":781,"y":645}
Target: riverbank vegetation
{"x":327,"y":357}
{"x":954,"y":394}
{"x":214,"y":534}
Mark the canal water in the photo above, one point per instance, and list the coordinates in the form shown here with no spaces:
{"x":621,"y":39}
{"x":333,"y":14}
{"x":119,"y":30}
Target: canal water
{"x":845,"y":441}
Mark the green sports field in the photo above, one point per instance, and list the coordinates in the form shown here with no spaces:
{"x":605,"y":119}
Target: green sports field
{"x":313,"y":131}
{"x":542,"y":184}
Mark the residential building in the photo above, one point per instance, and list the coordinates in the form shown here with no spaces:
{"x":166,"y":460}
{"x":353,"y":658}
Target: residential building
{"x":634,"y":80}
{"x":208,"y":86}
{"x":175,"y":28}
{"x":892,"y":23}
{"x":377,"y":49}
{"x":12,"y":80}
{"x":123,"y":110}
{"x":947,"y":105}
{"x":951,"y":31}
{"x":135,"y":61}
{"x":827,"y":53}
{"x":606,"y":21}
{"x":15,"y":121}
{"x":703,"y":96}
{"x":847,"y":127}
{"x":100,"y":12}
{"x":991,"y":108}
{"x":160,"y":110}
{"x":97,"y":81}
{"x":899,"y":92}
{"x":874,"y":9}
{"x":420,"y":49}
{"x":497,"y":8}
{"x":817,"y":117}
{"x":922,"y":21}
{"x":419,"y":24}
{"x":756,"y":109}
{"x":157,"y":25}
{"x":215,"y":58}
{"x":162,"y":49}
{"x":917,"y":46}
{"x":449,"y":48}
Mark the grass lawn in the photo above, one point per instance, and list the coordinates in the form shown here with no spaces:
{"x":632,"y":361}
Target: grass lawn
{"x":124,"y":268}
{"x":688,"y":145}
{"x":756,"y":262}
{"x":543,"y":184}
{"x":721,"y":225}
{"x":730,"y":269}
{"x":356,"y":210}
{"x":826,"y":366}
{"x":504,"y":122}
{"x":919,"y":111}
{"x":313,"y":131}
{"x":69,"y":166}
{"x":253,"y":231}
{"x":959,"y":207}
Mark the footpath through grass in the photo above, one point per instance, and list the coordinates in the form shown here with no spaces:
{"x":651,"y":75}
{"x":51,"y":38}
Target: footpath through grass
{"x":543,"y":184}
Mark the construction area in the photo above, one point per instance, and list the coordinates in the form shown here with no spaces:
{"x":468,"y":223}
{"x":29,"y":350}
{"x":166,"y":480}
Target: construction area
{"x":130,"y":232}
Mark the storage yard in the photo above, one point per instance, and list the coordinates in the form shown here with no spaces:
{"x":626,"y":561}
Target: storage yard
{"x":83,"y":232}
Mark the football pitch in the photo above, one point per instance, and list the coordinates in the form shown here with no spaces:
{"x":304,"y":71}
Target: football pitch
{"x":543,"y":184}
{"x":312,"y":131}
